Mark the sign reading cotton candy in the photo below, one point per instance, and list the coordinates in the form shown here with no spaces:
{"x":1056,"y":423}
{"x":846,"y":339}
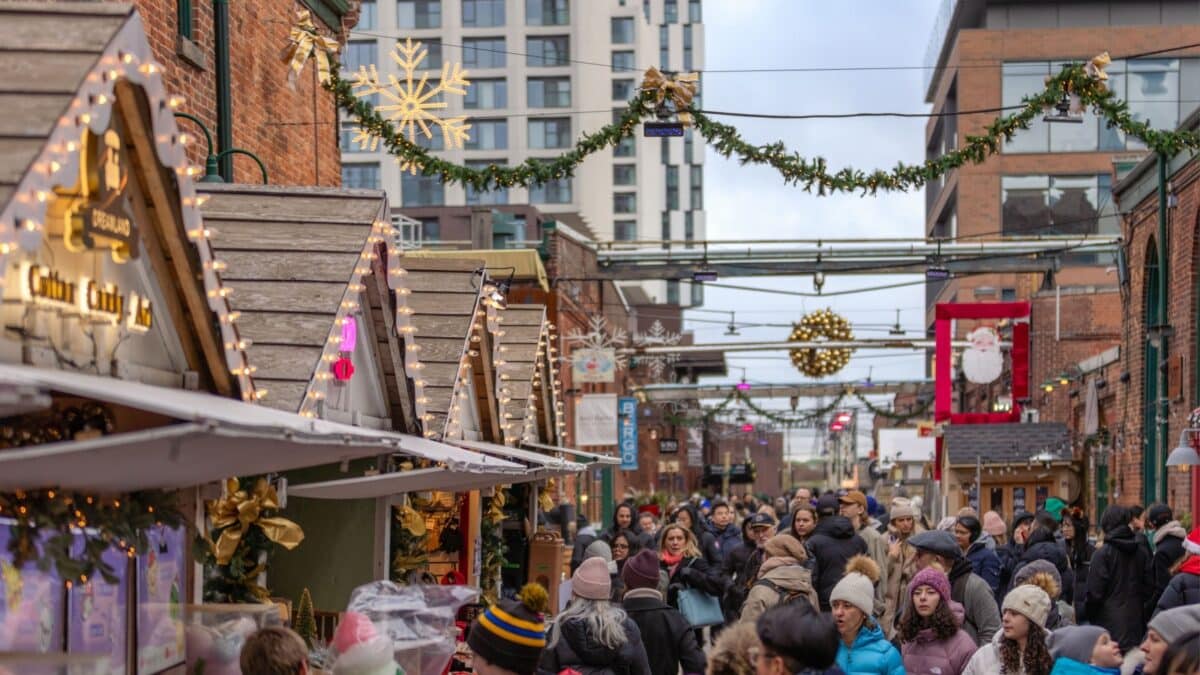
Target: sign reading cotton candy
{"x":982,"y":361}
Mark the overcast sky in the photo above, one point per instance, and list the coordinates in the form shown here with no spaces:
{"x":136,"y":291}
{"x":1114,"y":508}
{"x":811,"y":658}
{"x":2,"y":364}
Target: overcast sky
{"x":749,"y":202}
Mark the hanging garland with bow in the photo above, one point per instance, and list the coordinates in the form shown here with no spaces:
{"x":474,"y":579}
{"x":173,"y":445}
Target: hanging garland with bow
{"x":305,"y":42}
{"x":793,"y":419}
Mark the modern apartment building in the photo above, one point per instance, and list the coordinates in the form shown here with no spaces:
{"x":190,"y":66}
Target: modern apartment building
{"x":542,"y":73}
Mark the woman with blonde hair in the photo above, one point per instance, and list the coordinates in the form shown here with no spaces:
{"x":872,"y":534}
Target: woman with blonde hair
{"x":680,"y":557}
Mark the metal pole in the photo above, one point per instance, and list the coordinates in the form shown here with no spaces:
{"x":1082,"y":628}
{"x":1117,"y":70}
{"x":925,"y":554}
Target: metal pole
{"x":1160,"y":452}
{"x":222,"y":72}
{"x":863,"y":343}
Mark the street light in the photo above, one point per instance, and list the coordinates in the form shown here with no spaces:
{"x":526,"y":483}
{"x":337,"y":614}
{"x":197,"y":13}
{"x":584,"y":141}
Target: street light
{"x":1184,"y":455}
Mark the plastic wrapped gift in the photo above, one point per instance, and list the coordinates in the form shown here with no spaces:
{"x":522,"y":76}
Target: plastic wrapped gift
{"x":17,"y":663}
{"x":418,"y":620}
{"x":214,"y":635}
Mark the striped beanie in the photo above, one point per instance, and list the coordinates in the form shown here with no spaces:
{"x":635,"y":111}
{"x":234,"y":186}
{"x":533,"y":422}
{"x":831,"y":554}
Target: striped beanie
{"x":512,"y":633}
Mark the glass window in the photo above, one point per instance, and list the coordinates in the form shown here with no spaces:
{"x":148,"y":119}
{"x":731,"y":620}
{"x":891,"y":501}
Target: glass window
{"x":552,"y":50}
{"x":434,"y":141}
{"x":551,"y":192}
{"x":670,"y":11}
{"x":418,"y":13}
{"x":433,"y":54}
{"x":646,"y":10}
{"x":626,"y":147}
{"x":694,"y":11}
{"x":688,"y":146}
{"x":1020,"y":80}
{"x":483,"y":52}
{"x":672,"y":187}
{"x":666,"y":226}
{"x":485,"y":94}
{"x":1062,"y":205}
{"x":687,"y":47}
{"x":1152,"y":88}
{"x":1008,"y":294}
{"x":624,"y":174}
{"x":664,"y":47}
{"x":697,"y":293}
{"x":361,"y":176}
{"x":488,"y":135}
{"x":367,"y":16}
{"x":549,"y":92}
{"x":482,"y":13}
{"x":696,"y":183}
{"x":622,"y":30}
{"x":549,"y":132}
{"x":547,"y":12}
{"x":349,"y":131}
{"x":358,"y":53}
{"x":625,"y":230}
{"x":664,"y":152}
{"x":622,"y":90}
{"x":496,"y":195}
{"x":689,"y":226}
{"x":431,"y":229}
{"x":623,"y":62}
{"x":420,"y":190}
{"x":624,"y":202}
{"x":672,"y":291}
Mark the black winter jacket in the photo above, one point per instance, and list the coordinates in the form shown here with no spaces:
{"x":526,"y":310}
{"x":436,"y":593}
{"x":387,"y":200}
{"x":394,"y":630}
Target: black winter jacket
{"x":832,"y":543}
{"x":672,"y":641}
{"x":740,"y":567}
{"x":1043,"y":546}
{"x":1118,"y":587}
{"x":1183,"y":589}
{"x":693,"y":573}
{"x":577,"y":650}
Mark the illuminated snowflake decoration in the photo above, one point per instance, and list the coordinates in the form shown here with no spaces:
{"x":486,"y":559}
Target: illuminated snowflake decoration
{"x":412,"y":103}
{"x":657,"y":336}
{"x":597,"y":338}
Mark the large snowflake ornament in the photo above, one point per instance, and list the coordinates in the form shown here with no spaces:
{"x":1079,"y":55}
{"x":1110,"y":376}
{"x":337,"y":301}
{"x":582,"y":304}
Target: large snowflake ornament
{"x":657,"y":336}
{"x":597,"y":338}
{"x":412,"y":102}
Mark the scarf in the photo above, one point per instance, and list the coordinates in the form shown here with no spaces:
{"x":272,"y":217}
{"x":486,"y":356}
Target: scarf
{"x":671,"y":560}
{"x":1191,"y":565}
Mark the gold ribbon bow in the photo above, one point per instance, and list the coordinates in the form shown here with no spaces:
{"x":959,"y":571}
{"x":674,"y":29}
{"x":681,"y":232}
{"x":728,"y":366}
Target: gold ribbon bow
{"x":680,"y":90}
{"x":545,"y":501}
{"x":237,"y":511}
{"x":411,"y":520}
{"x":303,"y":42}
{"x":1095,"y":69}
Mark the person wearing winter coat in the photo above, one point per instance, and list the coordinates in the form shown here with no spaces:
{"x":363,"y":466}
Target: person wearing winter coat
{"x":599,"y":549}
{"x":832,"y":542}
{"x":689,"y":516}
{"x":1043,"y":545}
{"x":725,"y":532}
{"x":862,"y":650}
{"x":930,"y":629}
{"x":741,"y":564}
{"x":784,"y":578}
{"x":1020,"y":646}
{"x":853,"y":504}
{"x":735,"y":651}
{"x":1084,"y":650}
{"x":625,"y":517}
{"x":796,"y":640}
{"x":902,"y":562}
{"x":592,"y":633}
{"x":585,"y":534}
{"x":803,"y":522}
{"x":1165,"y":629}
{"x":685,"y":567}
{"x":1168,"y":546}
{"x":1011,"y":552}
{"x":1044,"y":575}
{"x":672,"y":641}
{"x":1184,"y":586}
{"x":1118,"y":584}
{"x":1079,"y":553}
{"x":981,"y":618}
{"x":984,"y":562}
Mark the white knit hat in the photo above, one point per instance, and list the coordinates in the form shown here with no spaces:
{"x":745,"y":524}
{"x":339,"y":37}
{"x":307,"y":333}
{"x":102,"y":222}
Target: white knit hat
{"x":1029,"y":601}
{"x":857,"y":587}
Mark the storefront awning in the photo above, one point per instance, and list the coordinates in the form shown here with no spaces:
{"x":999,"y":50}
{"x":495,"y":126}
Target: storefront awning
{"x":545,"y":465}
{"x":388,"y":484}
{"x":595,"y":457}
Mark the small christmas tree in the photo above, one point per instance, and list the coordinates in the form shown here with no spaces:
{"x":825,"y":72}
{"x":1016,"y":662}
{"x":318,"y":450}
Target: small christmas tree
{"x":306,"y":623}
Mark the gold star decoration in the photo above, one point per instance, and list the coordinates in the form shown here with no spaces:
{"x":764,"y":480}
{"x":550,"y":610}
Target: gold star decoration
{"x":412,"y":103}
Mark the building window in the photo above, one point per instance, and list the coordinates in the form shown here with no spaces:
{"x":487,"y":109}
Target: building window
{"x":547,"y":12}
{"x":688,"y":146}
{"x":551,"y":192}
{"x":694,"y":11}
{"x":622,"y":30}
{"x":349,"y":131}
{"x":483,"y":52}
{"x":1058,"y":205}
{"x":625,"y":230}
{"x":421,"y":190}
{"x":670,"y":11}
{"x":624,"y":174}
{"x":622,"y":90}
{"x":673,"y":188}
{"x":672,"y":291}
{"x":488,"y":135}
{"x":418,"y":13}
{"x":549,"y":132}
{"x":549,"y":92}
{"x":183,"y":13}
{"x":482,"y":13}
{"x":689,"y":226}
{"x":364,"y":176}
{"x":434,"y":141}
{"x":624,"y":202}
{"x":545,"y":51}
{"x":687,"y":47}
{"x":697,"y":294}
{"x":486,"y":94}
{"x":358,"y":53}
{"x":623,"y":62}
{"x":664,"y":47}
{"x":696,"y":183}
{"x":431,"y":229}
{"x":664,"y":152}
{"x":666,"y":226}
{"x":497,"y":195}
{"x":626,"y":147}
{"x":368,"y":16}
{"x":1008,"y":295}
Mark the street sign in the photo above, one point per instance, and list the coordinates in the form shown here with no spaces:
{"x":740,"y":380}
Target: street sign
{"x":662,"y":129}
{"x":668,"y":446}
{"x":627,"y":432}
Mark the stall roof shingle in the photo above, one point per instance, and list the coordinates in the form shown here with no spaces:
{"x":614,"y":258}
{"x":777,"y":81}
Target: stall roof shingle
{"x":1004,"y":443}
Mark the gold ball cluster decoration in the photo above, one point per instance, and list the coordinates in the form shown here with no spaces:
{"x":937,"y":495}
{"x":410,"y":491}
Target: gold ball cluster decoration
{"x":817,"y":326}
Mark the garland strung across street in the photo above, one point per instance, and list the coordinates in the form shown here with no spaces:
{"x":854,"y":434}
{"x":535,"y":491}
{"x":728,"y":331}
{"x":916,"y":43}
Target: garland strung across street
{"x":807,"y":418}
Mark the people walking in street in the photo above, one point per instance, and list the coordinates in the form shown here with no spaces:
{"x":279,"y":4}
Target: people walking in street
{"x":1118,"y":584}
{"x":1075,"y":527}
{"x":862,"y":650}
{"x":803,"y":496}
{"x":1010,"y":552}
{"x":1084,"y":650}
{"x":994,"y":526}
{"x":689,"y":516}
{"x":795,"y":640}
{"x":930,"y":629}
{"x":832,"y":543}
{"x":981,"y":618}
{"x":1184,"y":586}
{"x":804,"y":521}
{"x":741,"y":565}
{"x":685,"y":566}
{"x":625,"y":518}
{"x":585,"y":534}
{"x":625,"y":545}
{"x":1164,"y":629}
{"x":902,"y":561}
{"x":671,"y":641}
{"x":726,"y":532}
{"x":592,"y":634}
{"x":1019,"y":648}
{"x":785,"y":577}
{"x":1168,"y":545}
{"x":1183,"y":655}
{"x":1044,"y":575}
{"x":508,"y":637}
{"x":853,"y":504}
{"x":1042,"y":544}
{"x":968,"y":531}
{"x":600,"y":549}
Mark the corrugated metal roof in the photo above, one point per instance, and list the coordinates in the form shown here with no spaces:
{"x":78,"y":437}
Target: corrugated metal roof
{"x":1005,"y":443}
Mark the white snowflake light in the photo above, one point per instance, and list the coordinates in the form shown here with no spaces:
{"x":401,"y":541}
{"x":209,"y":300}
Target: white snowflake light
{"x":597,"y":338}
{"x":657,"y":336}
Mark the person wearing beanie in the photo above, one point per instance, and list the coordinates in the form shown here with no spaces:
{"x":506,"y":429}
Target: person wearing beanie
{"x":1084,"y":650}
{"x":994,"y":525}
{"x":981,"y":618}
{"x":863,"y":649}
{"x":1054,"y":506}
{"x":1020,"y":647}
{"x":1044,"y":575}
{"x":360,"y":649}
{"x":672,"y":641}
{"x":1168,"y":539}
{"x":796,"y":640}
{"x":902,"y":561}
{"x":930,"y":629}
{"x":509,"y":636}
{"x":600,"y":549}
{"x":1042,"y":543}
{"x":592,"y":633}
{"x":832,"y":542}
{"x":1118,"y":582}
{"x":853,"y":505}
{"x":1164,"y":629}
{"x":784,"y":577}
{"x":1184,"y":586}
{"x":968,"y":532}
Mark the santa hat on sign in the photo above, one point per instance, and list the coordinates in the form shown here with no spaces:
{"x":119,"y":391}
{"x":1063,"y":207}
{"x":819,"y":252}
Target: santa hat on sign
{"x":361,"y":650}
{"x":1192,"y":543}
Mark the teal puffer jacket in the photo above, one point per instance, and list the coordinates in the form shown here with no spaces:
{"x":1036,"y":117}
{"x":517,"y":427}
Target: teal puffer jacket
{"x":871,"y":654}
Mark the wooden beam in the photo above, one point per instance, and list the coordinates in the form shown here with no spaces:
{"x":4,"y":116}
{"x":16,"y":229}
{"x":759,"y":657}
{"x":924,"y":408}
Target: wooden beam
{"x":485,"y":386}
{"x":378,"y":294}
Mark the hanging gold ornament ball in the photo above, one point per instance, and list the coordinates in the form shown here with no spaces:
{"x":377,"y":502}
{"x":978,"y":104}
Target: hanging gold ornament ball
{"x":820,"y":326}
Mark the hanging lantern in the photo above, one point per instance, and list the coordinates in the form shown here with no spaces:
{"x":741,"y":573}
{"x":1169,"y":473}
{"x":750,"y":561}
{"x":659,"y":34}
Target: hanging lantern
{"x":343,"y":369}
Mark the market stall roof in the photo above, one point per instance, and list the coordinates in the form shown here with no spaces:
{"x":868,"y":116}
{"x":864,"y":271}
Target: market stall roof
{"x":543,"y":464}
{"x":1011,"y":443}
{"x":594,"y":456}
{"x":524,"y":329}
{"x":416,"y":480}
{"x":523,"y":263}
{"x":202,"y":448}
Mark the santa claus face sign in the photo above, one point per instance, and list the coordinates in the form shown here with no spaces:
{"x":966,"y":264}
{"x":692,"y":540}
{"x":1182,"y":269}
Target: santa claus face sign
{"x":982,"y":361}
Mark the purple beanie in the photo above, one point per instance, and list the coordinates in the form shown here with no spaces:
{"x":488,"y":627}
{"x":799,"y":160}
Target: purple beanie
{"x":933,"y":578}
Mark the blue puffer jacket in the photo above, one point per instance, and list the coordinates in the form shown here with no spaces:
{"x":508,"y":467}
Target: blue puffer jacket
{"x":871,"y":654}
{"x":985,"y":563}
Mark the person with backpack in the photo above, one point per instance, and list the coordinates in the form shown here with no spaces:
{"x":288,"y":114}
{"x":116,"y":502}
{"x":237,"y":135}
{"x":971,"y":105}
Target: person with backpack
{"x":832,"y":543}
{"x":1168,"y":545}
{"x":1184,"y":586}
{"x":862,"y":650}
{"x":1118,"y":584}
{"x":671,"y":639}
{"x":593,"y":636}
{"x":930,"y":629}
{"x":784,"y":577}
{"x":741,"y":564}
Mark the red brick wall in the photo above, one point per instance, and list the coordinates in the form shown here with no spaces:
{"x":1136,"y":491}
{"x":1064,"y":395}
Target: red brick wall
{"x":1089,"y":323}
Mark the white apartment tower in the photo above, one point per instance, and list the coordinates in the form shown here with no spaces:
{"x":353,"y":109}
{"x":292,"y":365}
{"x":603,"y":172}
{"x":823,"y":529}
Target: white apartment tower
{"x":542,"y":73}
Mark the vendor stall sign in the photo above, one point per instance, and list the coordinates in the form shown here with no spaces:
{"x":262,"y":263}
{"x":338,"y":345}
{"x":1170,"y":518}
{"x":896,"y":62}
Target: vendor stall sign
{"x":89,"y":298}
{"x":100,"y":215}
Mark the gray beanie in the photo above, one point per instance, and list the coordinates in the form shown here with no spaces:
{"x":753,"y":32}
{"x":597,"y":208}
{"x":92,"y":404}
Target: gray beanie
{"x":1175,"y":623}
{"x":1034,"y":567}
{"x":1075,"y":642}
{"x":598,"y":549}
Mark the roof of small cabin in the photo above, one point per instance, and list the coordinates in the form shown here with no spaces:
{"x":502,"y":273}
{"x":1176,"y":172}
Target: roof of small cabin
{"x":523,"y":329}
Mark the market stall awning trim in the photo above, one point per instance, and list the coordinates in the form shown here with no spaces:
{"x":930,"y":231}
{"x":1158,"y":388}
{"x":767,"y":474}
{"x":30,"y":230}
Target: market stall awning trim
{"x":544,"y":464}
{"x":593,"y":456}
{"x":388,"y":484}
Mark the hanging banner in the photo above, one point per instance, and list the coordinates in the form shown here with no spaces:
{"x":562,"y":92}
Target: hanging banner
{"x":31,"y":604}
{"x":594,"y":365}
{"x":695,"y":446}
{"x":596,"y":419}
{"x":97,"y":621}
{"x":627,"y":416}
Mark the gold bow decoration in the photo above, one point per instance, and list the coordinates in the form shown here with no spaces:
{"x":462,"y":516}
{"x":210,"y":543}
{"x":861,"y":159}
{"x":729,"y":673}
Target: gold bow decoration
{"x":411,"y":520}
{"x":1095,"y":69}
{"x":679,"y":89}
{"x":545,"y":501}
{"x":496,"y":510}
{"x":234,"y":514}
{"x":304,"y":41}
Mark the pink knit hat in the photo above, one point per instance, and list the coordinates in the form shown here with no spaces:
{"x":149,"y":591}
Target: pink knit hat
{"x":993,"y":524}
{"x":591,"y":580}
{"x":933,"y":578}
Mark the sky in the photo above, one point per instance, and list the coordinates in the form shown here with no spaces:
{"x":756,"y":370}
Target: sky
{"x":754,"y":203}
